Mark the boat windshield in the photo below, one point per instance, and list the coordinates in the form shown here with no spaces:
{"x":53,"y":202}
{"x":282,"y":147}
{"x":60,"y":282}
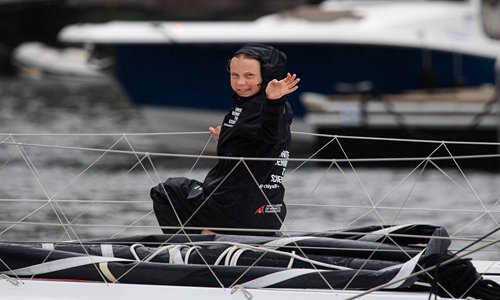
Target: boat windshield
{"x":316,"y":14}
{"x":490,"y":12}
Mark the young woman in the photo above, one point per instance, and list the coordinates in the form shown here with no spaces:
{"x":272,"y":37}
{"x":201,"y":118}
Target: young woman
{"x":244,"y":196}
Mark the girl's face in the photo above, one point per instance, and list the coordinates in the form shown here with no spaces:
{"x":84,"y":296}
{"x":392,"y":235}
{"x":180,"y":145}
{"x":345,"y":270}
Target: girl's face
{"x":245,"y":76}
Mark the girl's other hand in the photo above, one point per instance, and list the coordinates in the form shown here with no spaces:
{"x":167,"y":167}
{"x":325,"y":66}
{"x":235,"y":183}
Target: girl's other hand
{"x":215,"y":132}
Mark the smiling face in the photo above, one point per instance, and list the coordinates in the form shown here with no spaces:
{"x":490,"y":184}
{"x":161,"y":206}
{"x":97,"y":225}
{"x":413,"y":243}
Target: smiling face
{"x":246,"y":79}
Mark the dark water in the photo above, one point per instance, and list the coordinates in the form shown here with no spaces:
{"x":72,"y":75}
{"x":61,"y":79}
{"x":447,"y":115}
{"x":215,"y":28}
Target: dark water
{"x":102,"y":193}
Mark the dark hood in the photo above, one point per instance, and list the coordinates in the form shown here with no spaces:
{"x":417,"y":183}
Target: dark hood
{"x":272,"y":61}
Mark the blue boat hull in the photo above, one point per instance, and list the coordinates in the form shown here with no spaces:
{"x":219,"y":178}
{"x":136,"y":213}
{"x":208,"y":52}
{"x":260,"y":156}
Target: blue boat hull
{"x":194,"y":75}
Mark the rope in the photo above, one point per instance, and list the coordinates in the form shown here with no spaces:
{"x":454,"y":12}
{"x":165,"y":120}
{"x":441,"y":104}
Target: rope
{"x":382,"y":159}
{"x":459,"y":278}
{"x":241,"y":288}
{"x":232,"y":256}
{"x":12,"y":280}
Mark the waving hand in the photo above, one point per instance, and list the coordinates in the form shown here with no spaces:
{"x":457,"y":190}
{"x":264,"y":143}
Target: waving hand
{"x":278,"y":88}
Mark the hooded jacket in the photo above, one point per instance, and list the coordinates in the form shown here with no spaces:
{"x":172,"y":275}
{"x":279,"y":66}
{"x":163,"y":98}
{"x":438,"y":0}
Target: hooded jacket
{"x":250,"y":193}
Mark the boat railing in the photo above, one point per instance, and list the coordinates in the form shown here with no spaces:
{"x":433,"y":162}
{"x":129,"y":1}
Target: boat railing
{"x":448,"y":158}
{"x":68,"y":194}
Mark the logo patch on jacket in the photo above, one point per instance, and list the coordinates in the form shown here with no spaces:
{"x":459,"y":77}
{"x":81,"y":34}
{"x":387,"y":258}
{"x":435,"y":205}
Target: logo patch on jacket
{"x":269,"y":209}
{"x":235,"y":114}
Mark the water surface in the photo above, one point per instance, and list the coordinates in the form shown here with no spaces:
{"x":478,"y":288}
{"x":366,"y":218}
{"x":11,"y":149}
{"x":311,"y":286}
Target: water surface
{"x":79,"y":180}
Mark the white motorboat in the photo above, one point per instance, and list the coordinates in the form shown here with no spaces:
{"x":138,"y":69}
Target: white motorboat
{"x":392,"y":46}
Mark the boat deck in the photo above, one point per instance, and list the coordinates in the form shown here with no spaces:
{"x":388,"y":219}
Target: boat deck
{"x":433,"y":109}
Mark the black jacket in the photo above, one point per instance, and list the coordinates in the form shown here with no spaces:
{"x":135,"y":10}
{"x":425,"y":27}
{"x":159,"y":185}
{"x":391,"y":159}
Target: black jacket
{"x":254,"y":127}
{"x":261,"y":130}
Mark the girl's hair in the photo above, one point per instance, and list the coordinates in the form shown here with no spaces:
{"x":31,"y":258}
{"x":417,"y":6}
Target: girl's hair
{"x":239,"y":55}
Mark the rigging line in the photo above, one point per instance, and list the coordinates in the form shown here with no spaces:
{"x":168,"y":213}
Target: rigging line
{"x":442,"y":171}
{"x":462,"y":238}
{"x":39,"y":208}
{"x":465,"y":238}
{"x":387,"y":195}
{"x":132,"y":225}
{"x":58,"y":241}
{"x":472,"y":187}
{"x":400,"y":208}
{"x":478,"y":240}
{"x":139,"y":161}
{"x":472,"y":244}
{"x":6,"y":138}
{"x":165,"y":191}
{"x":90,"y":205}
{"x":263,"y":248}
{"x":201,"y":154}
{"x":25,"y":217}
{"x":210,"y":195}
{"x":428,"y":141}
{"x":9,"y":268}
{"x":10,"y":156}
{"x":287,"y":246}
{"x":240,"y":161}
{"x":418,"y":265}
{"x":383,"y":159}
{"x":282,"y":224}
{"x":495,"y":204}
{"x":424,"y":162}
{"x":401,"y":249}
{"x":108,"y":134}
{"x":366,"y":261}
{"x":422,"y":271}
{"x":299,"y":205}
{"x":73,"y":180}
{"x":257,"y":184}
{"x":69,"y":224}
{"x":110,"y":151}
{"x":309,"y":198}
{"x":181,"y":229}
{"x":87,"y":168}
{"x":348,"y":233}
{"x":466,"y":179}
{"x":107,"y":201}
{"x":397,"y":235}
{"x":484,"y":212}
{"x":42,"y":185}
{"x":163,"y":245}
{"x":456,"y":210}
{"x":313,"y":155}
{"x":88,"y":225}
{"x":470,"y":223}
{"x":323,"y":175}
{"x":232,"y":285}
{"x":57,"y":203}
{"x":377,"y":214}
{"x":410,"y":192}
{"x":150,"y":180}
{"x":294,"y":132}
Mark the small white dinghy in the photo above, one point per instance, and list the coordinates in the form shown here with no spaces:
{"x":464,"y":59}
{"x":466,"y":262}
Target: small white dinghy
{"x":37,"y":60}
